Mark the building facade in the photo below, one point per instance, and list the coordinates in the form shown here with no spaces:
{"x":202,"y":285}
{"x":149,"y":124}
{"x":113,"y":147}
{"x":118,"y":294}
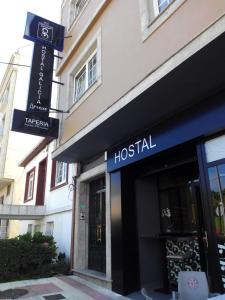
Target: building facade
{"x":144,"y":96}
{"x":13,"y":145}
{"x":49,"y":184}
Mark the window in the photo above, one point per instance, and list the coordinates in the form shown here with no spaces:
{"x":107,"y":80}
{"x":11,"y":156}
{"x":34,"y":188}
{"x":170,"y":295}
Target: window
{"x":8,"y":190}
{"x":29,"y":189}
{"x":75,"y":9}
{"x":29,"y":228}
{"x":49,"y":228}
{"x":86,"y":76}
{"x":152,"y":16}
{"x":162,"y":4}
{"x":37,"y":228}
{"x":2,"y":199}
{"x":59,"y":173}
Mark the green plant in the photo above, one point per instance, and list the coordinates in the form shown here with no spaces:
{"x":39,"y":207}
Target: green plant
{"x":27,"y":256}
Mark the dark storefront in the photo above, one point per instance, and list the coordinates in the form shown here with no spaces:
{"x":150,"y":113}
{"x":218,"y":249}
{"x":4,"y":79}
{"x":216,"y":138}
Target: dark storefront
{"x":167,"y":202}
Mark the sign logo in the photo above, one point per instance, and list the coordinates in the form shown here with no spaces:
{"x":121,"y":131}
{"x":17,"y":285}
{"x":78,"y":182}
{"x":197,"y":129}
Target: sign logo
{"x":45,"y":32}
{"x":192,"y":283}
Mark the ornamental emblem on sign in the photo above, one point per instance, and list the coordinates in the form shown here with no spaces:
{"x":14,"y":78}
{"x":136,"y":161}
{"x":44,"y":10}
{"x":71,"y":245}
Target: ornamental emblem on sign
{"x":45,"y":32}
{"x":192,"y":283}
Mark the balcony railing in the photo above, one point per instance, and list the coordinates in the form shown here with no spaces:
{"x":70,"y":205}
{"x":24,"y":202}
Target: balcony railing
{"x":22,"y":212}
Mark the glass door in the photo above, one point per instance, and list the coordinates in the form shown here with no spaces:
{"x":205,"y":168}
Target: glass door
{"x":97,"y":244}
{"x":217,"y":190}
{"x":181,"y":220}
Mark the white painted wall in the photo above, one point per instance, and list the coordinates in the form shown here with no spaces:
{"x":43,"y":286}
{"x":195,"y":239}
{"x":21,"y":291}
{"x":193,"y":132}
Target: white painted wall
{"x":58,"y":202}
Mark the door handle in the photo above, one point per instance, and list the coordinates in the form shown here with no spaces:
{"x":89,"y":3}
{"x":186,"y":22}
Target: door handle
{"x":205,"y":239}
{"x":99,"y":233}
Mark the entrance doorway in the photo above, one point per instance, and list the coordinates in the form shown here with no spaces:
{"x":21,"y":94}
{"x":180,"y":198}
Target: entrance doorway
{"x":169,"y":225}
{"x":97,"y":244}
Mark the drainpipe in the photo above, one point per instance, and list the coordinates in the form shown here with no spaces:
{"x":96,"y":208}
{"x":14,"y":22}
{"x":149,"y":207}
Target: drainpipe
{"x":73,"y":219}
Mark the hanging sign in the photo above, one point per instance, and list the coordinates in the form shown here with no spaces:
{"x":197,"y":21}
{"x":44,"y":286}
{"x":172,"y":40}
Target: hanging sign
{"x":35,"y":120}
{"x":40,"y":88}
{"x":44,"y":31}
{"x":35,"y":124}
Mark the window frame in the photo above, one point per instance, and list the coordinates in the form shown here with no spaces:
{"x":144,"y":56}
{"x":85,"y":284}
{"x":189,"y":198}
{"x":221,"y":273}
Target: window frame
{"x":94,"y":44}
{"x":28,"y":197}
{"x":75,"y":11}
{"x":157,"y":5}
{"x":54,"y":183}
{"x":85,"y":66}
{"x":150,"y":17}
{"x":37,"y":228}
{"x":49,"y":229}
{"x":30,"y":228}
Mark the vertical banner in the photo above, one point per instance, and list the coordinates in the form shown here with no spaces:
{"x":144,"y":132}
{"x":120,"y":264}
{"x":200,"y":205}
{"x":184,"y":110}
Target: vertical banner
{"x":40,"y":88}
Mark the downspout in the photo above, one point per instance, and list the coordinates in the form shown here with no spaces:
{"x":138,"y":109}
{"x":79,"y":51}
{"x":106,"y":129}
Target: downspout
{"x":73,"y":223}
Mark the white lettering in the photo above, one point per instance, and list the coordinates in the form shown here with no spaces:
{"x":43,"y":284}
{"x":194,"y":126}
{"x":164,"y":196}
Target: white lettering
{"x":131,"y":150}
{"x":36,"y":123}
{"x":144,"y":145}
{"x":150,"y":142}
{"x":134,"y":149}
{"x":117,"y":157}
{"x":137,"y":143}
{"x":124,"y":150}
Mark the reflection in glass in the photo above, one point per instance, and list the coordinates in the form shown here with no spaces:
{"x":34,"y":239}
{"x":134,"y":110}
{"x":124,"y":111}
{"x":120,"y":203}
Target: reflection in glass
{"x":217,"y":188}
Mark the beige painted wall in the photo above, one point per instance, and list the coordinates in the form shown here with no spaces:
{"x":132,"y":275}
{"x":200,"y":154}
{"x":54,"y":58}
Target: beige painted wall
{"x":126,"y":60}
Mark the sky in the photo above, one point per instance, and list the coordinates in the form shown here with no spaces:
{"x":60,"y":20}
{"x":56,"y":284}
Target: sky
{"x":12,"y":23}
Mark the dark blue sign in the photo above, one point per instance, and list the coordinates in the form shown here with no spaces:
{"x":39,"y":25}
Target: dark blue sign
{"x":35,"y":124}
{"x":40,"y":88}
{"x":203,"y":120}
{"x":44,"y":31}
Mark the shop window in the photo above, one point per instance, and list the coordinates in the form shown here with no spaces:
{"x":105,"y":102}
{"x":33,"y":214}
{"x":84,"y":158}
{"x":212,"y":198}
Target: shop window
{"x":216,"y":177}
{"x":215,"y":149}
{"x":76,"y":7}
{"x":29,"y":188}
{"x":86,"y":76}
{"x":217,"y":189}
{"x":49,"y":228}
{"x":59,"y":174}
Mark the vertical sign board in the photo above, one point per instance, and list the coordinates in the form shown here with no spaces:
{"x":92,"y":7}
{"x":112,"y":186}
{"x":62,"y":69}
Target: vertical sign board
{"x":40,"y":88}
{"x":35,"y":119}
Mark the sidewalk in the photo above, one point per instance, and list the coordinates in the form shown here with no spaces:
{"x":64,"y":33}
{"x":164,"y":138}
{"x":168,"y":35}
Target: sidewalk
{"x":56,"y":288}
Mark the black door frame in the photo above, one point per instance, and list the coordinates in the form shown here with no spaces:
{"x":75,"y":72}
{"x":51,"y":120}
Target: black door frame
{"x":213,"y":257}
{"x":100,"y":233}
